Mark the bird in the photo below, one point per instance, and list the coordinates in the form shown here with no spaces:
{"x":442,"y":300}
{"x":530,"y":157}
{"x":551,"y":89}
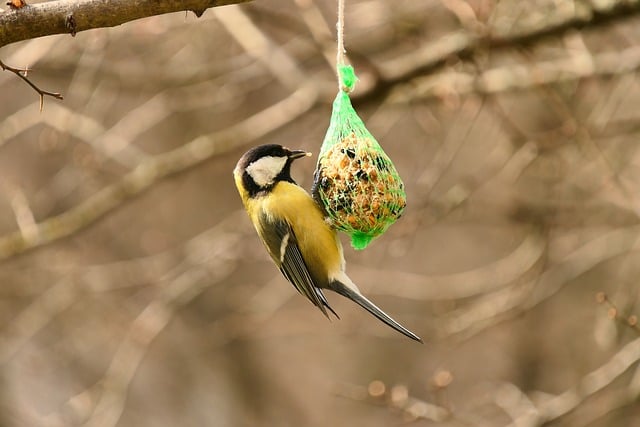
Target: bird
{"x":295,"y":232}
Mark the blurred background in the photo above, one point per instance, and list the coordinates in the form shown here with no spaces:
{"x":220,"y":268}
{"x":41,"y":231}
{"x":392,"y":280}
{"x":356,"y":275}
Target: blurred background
{"x":134,"y":291}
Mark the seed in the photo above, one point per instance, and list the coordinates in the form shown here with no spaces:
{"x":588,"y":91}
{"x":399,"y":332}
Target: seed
{"x":344,"y":162}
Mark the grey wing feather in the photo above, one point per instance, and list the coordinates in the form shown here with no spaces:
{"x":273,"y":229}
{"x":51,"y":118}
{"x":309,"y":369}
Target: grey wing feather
{"x":283,"y":246}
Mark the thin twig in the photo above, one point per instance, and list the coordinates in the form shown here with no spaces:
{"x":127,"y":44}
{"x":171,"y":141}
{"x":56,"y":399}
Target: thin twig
{"x":590,"y":384}
{"x":22,"y":73}
{"x":630,"y":321}
{"x":496,"y":307}
{"x":259,"y":45}
{"x":463,"y":44}
{"x":318,"y":27}
{"x":199,"y":270}
{"x":519,"y":77}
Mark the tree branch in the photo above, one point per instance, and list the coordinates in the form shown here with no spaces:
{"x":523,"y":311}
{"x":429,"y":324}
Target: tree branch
{"x":519,"y":76}
{"x":590,"y":384}
{"x":73,"y":16}
{"x":465,"y":44}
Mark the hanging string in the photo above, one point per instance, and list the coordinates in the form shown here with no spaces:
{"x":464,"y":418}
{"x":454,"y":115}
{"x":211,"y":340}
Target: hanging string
{"x":355,"y":182}
{"x":340,"y":30}
{"x":346,"y":75}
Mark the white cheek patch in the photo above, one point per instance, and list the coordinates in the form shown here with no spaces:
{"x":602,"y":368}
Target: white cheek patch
{"x":264,"y":170}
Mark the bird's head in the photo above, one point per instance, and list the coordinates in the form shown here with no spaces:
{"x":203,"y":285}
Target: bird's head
{"x":260,"y":168}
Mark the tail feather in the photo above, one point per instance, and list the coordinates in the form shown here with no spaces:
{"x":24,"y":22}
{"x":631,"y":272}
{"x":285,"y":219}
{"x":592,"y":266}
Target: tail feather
{"x":363,"y":302}
{"x":325,"y":303}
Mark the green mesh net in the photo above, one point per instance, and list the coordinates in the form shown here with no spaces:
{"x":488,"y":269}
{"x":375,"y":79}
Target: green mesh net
{"x":355,"y":181}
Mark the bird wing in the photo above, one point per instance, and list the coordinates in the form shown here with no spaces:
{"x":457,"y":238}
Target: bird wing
{"x":283,"y":247}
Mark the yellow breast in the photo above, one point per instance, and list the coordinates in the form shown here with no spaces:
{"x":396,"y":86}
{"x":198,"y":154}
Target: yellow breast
{"x":318,"y":242}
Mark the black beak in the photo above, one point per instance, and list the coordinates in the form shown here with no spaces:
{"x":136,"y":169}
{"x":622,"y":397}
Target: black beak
{"x":296,"y":154}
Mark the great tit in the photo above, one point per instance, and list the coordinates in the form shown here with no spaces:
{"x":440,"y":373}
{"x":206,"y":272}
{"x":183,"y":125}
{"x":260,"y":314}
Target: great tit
{"x":294,"y":230}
